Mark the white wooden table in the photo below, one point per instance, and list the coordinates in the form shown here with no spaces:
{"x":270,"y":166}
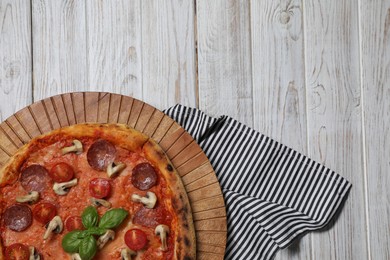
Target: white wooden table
{"x":314,"y":75}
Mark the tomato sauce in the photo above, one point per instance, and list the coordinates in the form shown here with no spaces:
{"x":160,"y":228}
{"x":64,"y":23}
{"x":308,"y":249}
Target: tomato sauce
{"x":48,"y":153}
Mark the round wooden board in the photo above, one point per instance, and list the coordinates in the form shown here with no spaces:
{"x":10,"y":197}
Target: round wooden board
{"x":188,"y":158}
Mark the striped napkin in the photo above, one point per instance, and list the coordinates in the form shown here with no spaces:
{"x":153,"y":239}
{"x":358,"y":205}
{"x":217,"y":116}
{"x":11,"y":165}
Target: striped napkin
{"x":272,"y":193}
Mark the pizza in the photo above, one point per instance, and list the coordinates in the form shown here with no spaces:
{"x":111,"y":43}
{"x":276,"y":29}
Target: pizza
{"x":94,"y":191}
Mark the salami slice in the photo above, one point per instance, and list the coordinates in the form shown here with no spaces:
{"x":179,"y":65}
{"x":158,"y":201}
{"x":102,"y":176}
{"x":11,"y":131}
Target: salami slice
{"x":34,"y":178}
{"x":17,"y":217}
{"x":147,"y":217}
{"x":151,"y":217}
{"x":144,"y":176}
{"x":100,"y":154}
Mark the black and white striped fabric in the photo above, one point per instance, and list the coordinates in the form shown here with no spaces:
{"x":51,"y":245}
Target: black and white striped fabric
{"x":273,"y":194}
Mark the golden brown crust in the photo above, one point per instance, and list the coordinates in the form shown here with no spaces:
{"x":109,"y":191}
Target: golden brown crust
{"x":133,"y":140}
{"x":185,"y":247}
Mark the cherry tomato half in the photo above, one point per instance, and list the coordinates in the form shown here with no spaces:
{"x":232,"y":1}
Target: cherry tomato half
{"x":99,"y":188}
{"x":73,"y":222}
{"x":44,"y":212}
{"x":17,"y":251}
{"x":135,"y":239}
{"x":61,"y":172}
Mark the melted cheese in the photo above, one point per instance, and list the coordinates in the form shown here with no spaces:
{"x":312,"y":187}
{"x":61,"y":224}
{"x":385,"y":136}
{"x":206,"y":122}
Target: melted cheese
{"x":77,"y":200}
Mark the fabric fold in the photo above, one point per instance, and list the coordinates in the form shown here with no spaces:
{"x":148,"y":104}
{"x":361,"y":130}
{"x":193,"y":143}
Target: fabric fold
{"x":273,"y":194}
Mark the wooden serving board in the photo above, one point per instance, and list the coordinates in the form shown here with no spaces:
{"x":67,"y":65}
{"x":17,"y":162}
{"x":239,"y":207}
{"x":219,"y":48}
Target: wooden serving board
{"x":188,"y":158}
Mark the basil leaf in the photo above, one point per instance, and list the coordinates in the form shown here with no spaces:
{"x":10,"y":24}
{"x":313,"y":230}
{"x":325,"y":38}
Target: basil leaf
{"x":83,"y":234}
{"x":87,"y":248}
{"x":96,"y":231}
{"x":90,"y":217}
{"x":113,"y":218}
{"x":71,"y":242}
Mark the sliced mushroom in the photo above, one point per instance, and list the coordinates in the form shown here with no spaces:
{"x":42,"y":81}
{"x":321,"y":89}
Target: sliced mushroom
{"x":34,"y":254}
{"x":100,"y":202}
{"x":54,"y":226}
{"x":77,"y":147}
{"x":31,"y":197}
{"x":63,"y":187}
{"x":149,"y":200}
{"x":75,"y":256}
{"x":114,"y":168}
{"x":162,"y":231}
{"x":127,"y":253}
{"x":102,"y":240}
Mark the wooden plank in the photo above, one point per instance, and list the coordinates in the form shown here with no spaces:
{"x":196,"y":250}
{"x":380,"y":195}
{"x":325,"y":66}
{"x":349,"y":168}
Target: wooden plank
{"x":104,"y":107}
{"x":224,"y":63}
{"x":213,"y":213}
{"x":334,"y":118}
{"x":77,"y":100}
{"x":211,"y":238}
{"x":154,"y":122}
{"x":168,"y":56}
{"x":60,"y":110}
{"x":91,"y":101}
{"x":201,"y":182}
{"x":200,"y":171}
{"x":207,"y":204}
{"x":144,"y":117}
{"x":41,"y":116}
{"x":163,"y":128}
{"x":15,"y":56}
{"x":59,"y":40}
{"x":375,"y":75}
{"x":51,"y":112}
{"x":114,"y":46}
{"x":125,"y":108}
{"x":135,"y":112}
{"x":279,"y":99}
{"x":115,"y":106}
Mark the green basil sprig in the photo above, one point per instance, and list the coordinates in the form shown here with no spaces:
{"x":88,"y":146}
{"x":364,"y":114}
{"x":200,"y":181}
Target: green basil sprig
{"x":90,"y":217}
{"x":71,"y":241}
{"x":88,"y":247}
{"x":112,"y":218}
{"x":83,"y":242}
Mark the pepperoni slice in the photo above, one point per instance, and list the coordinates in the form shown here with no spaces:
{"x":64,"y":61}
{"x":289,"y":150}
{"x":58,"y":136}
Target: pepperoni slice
{"x":34,"y":178}
{"x":150,"y":217}
{"x":145,"y":217}
{"x":144,"y":176}
{"x":100,"y":154}
{"x":17,"y":217}
{"x":17,"y":251}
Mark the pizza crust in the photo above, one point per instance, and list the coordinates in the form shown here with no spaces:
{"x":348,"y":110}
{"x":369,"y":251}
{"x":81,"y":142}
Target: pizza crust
{"x":186,"y":242}
{"x":132,"y":140}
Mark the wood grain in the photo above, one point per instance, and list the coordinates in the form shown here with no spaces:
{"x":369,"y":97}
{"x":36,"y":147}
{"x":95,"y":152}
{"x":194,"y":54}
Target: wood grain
{"x":201,"y":182}
{"x":334,"y":118}
{"x":113,"y":42}
{"x":59,"y":47}
{"x":168,"y":57}
{"x":375,"y":75}
{"x":15,"y":56}
{"x":279,"y":94}
{"x":224,"y":65}
{"x":289,"y":68}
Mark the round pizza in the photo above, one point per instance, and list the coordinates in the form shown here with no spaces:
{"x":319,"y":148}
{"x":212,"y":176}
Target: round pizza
{"x":94,"y":191}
